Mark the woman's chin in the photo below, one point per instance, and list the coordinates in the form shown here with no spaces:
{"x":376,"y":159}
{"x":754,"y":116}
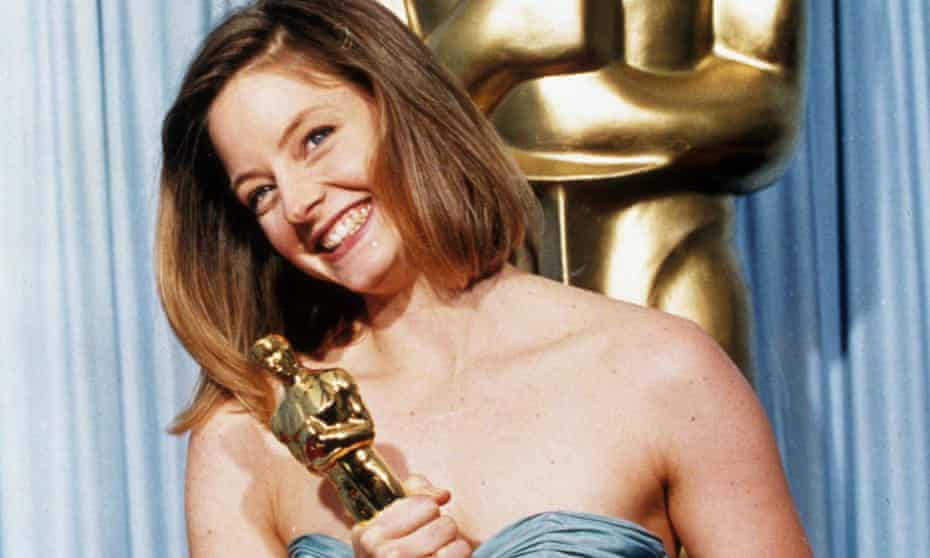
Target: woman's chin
{"x":379,"y":281}
{"x":365,"y":280}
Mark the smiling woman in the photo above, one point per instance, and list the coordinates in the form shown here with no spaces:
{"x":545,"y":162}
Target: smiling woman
{"x":460,"y":204}
{"x":325,"y":179}
{"x":306,"y":176}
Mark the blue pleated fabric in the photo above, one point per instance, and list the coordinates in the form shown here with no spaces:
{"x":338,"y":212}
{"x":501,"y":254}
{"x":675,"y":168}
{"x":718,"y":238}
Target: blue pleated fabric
{"x":550,"y":534}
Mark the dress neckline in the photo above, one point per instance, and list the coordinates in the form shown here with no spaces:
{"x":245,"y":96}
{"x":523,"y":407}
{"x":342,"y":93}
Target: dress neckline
{"x":646,"y":536}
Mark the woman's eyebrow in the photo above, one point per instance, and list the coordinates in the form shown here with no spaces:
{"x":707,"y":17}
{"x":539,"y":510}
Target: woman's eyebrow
{"x":294,"y":124}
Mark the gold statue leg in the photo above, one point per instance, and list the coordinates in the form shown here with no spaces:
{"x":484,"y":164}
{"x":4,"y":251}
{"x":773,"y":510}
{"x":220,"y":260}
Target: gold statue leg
{"x":701,"y":280}
{"x":670,"y":252}
{"x":365,"y":483}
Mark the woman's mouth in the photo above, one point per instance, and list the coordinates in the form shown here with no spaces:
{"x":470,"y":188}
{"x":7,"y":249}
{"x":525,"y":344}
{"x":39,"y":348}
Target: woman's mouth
{"x":347,"y":225}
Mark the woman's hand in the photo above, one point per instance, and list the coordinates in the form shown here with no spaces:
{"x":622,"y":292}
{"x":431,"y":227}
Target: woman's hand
{"x":411,"y":527}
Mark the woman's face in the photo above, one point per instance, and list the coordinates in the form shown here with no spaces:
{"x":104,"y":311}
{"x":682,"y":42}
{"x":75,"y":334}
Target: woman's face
{"x":298,"y":154}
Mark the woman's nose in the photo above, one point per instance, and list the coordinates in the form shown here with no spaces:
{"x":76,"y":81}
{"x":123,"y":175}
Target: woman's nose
{"x":300,"y":199}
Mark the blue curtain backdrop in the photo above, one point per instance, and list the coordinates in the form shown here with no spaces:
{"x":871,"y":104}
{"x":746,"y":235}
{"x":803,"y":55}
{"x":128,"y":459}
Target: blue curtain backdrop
{"x":836,"y":255}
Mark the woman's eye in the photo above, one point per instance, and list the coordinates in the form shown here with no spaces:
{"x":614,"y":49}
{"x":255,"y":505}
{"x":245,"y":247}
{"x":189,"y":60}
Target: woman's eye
{"x":256,"y":197}
{"x":316,"y":137}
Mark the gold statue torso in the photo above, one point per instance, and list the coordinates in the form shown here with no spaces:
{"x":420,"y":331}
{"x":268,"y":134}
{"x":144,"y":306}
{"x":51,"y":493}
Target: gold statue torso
{"x":321,"y":418}
{"x":324,"y":424}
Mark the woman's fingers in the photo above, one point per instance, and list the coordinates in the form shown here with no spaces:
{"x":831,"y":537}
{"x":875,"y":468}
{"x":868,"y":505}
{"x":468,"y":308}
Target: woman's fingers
{"x":458,"y":548}
{"x":428,"y":539}
{"x":411,"y":526}
{"x":438,"y":537}
{"x":416,"y":482}
{"x":417,"y":485}
{"x":401,"y":518}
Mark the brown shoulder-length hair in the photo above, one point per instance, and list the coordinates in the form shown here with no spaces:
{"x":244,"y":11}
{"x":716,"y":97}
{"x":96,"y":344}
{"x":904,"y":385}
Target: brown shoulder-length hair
{"x":459,"y":202}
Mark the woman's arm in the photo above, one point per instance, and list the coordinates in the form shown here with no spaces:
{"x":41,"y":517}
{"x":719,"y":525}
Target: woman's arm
{"x":229,"y":491}
{"x":233,"y":467}
{"x":727,"y":493}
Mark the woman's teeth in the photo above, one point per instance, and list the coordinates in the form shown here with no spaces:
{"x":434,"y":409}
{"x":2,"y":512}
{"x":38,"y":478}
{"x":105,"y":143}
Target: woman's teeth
{"x":351,"y":222}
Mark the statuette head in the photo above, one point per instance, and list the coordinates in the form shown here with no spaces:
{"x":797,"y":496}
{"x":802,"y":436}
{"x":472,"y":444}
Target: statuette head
{"x":274,"y":353}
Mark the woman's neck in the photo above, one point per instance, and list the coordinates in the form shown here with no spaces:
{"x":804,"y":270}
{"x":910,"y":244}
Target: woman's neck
{"x":421,"y":328}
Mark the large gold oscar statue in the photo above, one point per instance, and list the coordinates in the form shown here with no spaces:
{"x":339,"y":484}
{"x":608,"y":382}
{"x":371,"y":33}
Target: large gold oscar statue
{"x":636,"y":121}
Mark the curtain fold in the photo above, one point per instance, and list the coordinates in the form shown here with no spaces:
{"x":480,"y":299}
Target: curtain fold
{"x":92,"y":373}
{"x":836,"y":256}
{"x":835,"y":253}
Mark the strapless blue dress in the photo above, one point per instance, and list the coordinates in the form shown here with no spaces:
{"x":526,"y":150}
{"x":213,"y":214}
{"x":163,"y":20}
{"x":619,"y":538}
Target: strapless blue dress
{"x":549,"y":534}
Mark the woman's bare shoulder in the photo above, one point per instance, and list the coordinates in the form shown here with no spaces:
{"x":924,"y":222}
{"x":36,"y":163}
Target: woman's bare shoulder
{"x":568,"y":311}
{"x":230,"y":486}
{"x":659,"y":354}
{"x":230,"y":436}
{"x":712,"y":442}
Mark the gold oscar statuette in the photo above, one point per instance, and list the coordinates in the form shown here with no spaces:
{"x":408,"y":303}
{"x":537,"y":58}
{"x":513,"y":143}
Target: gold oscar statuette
{"x":325,"y":425}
